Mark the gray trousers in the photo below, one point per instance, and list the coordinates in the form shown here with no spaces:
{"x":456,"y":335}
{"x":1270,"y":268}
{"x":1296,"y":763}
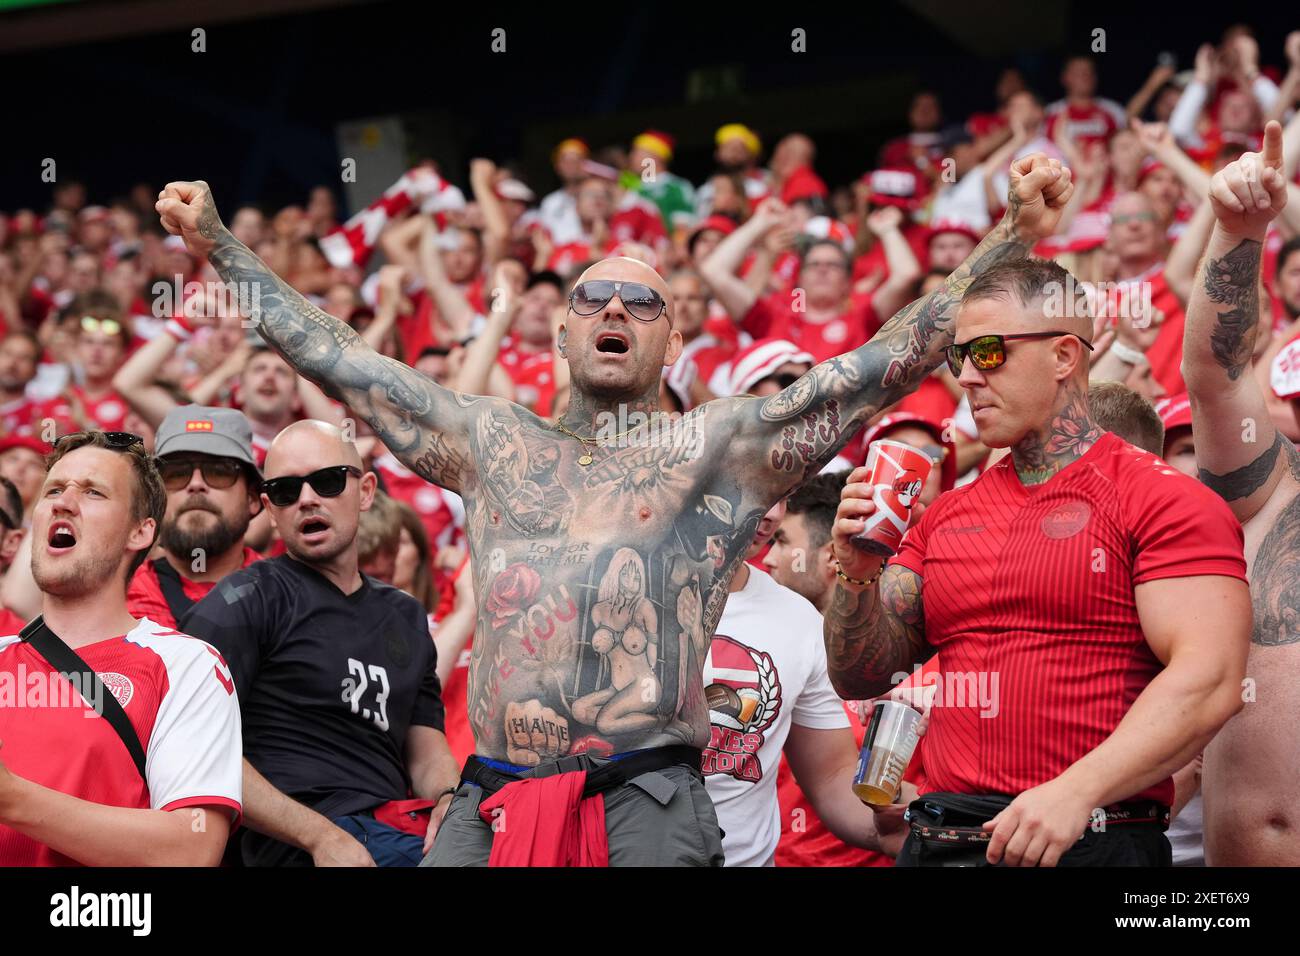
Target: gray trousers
{"x":662,"y":818}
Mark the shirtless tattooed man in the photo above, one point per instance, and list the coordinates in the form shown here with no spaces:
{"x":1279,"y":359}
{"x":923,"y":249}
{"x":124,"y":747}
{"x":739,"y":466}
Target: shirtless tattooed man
{"x":600,"y":561}
{"x":1251,"y":773}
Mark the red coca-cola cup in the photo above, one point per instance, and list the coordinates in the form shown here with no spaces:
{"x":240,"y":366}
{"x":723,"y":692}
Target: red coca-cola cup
{"x":898,"y":474}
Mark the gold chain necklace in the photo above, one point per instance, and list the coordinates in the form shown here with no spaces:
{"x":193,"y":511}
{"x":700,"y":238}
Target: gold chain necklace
{"x":586,"y":459}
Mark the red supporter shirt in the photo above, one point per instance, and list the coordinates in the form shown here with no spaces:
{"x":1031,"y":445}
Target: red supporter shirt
{"x":874,"y":261}
{"x":1011,"y":588}
{"x":144,"y":596}
{"x":1166,"y":354}
{"x":24,"y":416}
{"x":179,"y":696}
{"x":1094,"y":123}
{"x":441,"y":511}
{"x":460,"y":736}
{"x":774,"y":317}
{"x":533,"y":373}
{"x":10,"y":623}
{"x":107,"y":413}
{"x":815,"y":844}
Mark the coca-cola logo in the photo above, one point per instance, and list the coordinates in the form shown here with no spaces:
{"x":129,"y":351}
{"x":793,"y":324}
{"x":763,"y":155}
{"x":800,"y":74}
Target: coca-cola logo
{"x":1066,"y":519}
{"x":907,"y":486}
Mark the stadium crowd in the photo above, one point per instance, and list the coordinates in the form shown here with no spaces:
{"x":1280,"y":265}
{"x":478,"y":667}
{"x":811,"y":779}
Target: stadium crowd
{"x":112,"y":326}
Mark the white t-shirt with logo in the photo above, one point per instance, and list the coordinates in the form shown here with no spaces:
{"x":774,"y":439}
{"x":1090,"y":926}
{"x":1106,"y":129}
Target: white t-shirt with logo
{"x":765,"y":670}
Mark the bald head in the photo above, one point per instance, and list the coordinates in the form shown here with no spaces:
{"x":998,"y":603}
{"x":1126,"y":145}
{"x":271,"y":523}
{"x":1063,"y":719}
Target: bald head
{"x":309,"y":441}
{"x":611,"y":353}
{"x":627,"y":269}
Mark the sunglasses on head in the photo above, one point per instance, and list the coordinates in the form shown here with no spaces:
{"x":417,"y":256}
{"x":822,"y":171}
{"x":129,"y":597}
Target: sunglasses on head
{"x":108,"y":326}
{"x":989,"y":351}
{"x":114,"y":441}
{"x":641,"y":301}
{"x":217,"y":472}
{"x":327,"y":482}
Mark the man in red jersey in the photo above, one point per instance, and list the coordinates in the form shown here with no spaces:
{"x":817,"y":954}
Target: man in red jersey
{"x":1091,"y":599}
{"x":205,"y":457}
{"x":71,"y":789}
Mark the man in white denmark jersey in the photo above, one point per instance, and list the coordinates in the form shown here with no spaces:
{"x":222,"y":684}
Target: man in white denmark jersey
{"x":71,"y":789}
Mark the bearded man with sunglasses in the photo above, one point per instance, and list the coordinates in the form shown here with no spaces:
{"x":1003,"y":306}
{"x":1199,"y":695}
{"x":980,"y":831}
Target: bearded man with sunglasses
{"x":554,"y":508}
{"x":205,"y":457}
{"x":1098,"y":596}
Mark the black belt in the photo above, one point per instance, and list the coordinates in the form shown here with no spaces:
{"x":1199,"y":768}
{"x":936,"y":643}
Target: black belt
{"x":925,"y":826}
{"x":607,"y":774}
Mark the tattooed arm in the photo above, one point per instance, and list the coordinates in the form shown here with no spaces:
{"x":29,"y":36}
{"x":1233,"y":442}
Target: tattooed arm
{"x":1239,"y":453}
{"x":791,"y":435}
{"x":875,"y":631}
{"x":423,"y":424}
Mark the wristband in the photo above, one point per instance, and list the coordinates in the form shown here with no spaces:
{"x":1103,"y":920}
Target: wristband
{"x":1126,"y":354}
{"x":450,"y":791}
{"x":839,"y":573}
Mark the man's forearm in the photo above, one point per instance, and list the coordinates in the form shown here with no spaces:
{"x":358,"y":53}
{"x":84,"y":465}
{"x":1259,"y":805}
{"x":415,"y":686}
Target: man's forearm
{"x":1170,"y":723}
{"x":97,"y":835}
{"x":1222,"y":315}
{"x":392,"y":398}
{"x":270,"y":812}
{"x":866,"y":647}
{"x":844,"y":814}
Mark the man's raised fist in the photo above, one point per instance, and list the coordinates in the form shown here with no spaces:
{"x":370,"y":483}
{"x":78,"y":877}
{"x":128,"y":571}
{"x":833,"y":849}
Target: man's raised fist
{"x":187,"y":210}
{"x":1040,"y":188}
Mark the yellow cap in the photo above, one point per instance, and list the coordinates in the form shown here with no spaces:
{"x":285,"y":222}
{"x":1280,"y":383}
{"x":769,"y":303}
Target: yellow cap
{"x":739,"y":131}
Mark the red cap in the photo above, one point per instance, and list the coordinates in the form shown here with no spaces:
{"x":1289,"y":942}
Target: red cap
{"x":803,"y":184}
{"x":25,"y":441}
{"x":899,"y":187}
{"x":1148,"y":167}
{"x":1175,"y":411}
{"x":724,"y":224}
{"x":761,"y":359}
{"x":940,"y":226}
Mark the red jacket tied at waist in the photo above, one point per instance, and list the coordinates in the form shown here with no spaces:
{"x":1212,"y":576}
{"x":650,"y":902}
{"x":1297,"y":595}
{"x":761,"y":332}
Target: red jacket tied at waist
{"x":546,"y":822}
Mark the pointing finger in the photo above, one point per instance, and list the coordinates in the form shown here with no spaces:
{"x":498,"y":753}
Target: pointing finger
{"x":1272,"y":154}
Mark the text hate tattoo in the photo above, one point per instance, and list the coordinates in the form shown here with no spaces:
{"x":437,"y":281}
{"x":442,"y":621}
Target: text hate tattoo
{"x":1233,"y":282}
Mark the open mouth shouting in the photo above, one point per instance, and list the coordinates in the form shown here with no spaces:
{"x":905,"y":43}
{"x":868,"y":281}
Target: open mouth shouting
{"x":62,"y":537}
{"x":313,"y":529}
{"x":613,"y":343}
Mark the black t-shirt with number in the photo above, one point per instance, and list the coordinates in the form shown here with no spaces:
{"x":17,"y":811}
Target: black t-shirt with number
{"x":329,"y":684}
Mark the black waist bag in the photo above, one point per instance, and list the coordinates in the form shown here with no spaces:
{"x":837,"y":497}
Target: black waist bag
{"x":947,"y":829}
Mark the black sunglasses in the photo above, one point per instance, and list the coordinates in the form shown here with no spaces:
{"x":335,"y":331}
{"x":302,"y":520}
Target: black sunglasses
{"x":641,"y":301}
{"x":328,"y":483}
{"x":116,"y":441}
{"x":218,"y":473}
{"x":990,"y":351}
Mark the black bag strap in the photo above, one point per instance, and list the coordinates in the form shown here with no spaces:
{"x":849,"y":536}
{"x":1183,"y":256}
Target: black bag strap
{"x":67,"y":661}
{"x":169,"y":582}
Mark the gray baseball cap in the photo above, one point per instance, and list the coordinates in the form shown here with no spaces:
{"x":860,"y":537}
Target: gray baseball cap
{"x":223,"y":432}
